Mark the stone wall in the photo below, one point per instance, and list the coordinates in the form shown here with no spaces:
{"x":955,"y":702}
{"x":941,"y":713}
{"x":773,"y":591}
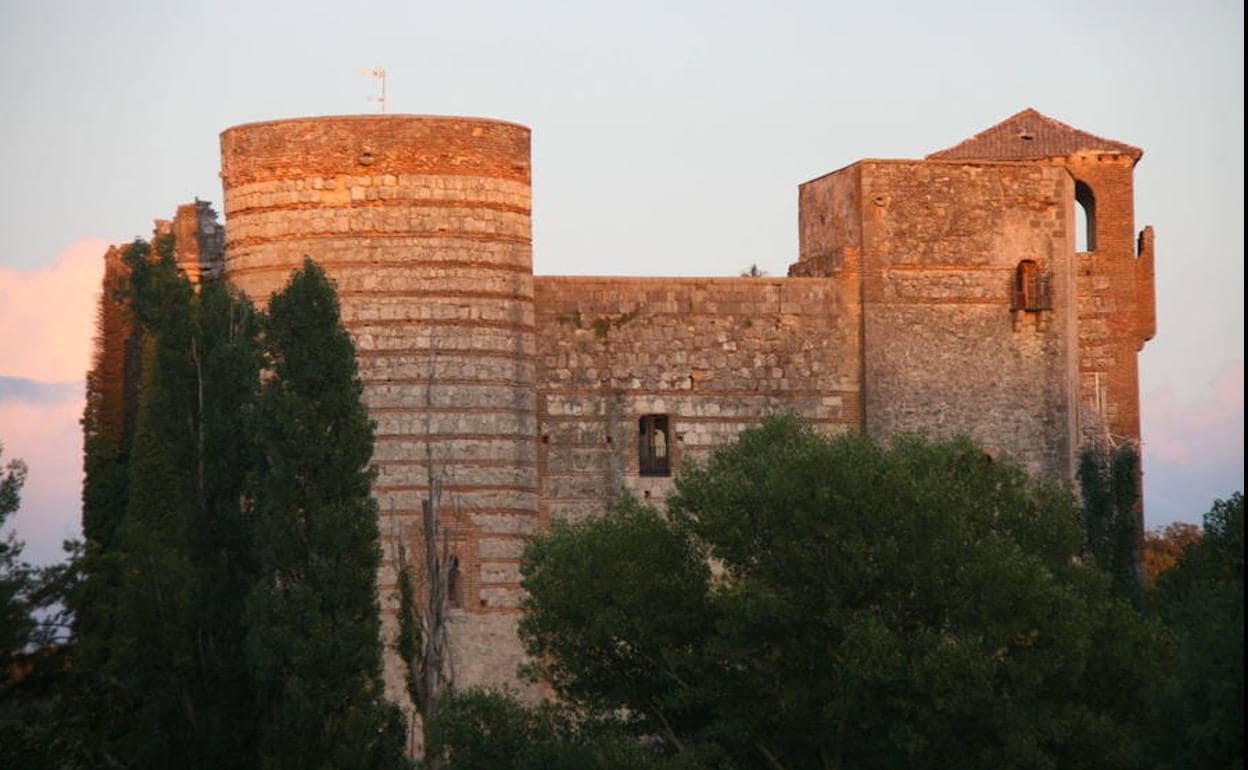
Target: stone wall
{"x":525,"y":397}
{"x":199,"y":241}
{"x":829,"y":222}
{"x":713,"y":354}
{"x":944,"y":353}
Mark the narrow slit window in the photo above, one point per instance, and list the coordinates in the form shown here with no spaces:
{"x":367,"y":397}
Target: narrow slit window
{"x":454,"y":588}
{"x":654,"y":446}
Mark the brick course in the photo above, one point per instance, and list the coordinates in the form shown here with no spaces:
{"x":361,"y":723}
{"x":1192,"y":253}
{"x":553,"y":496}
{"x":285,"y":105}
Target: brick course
{"x":899,"y":316}
{"x":423,"y":224}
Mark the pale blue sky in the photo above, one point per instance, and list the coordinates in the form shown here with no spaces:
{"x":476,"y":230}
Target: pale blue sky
{"x":668,"y":137}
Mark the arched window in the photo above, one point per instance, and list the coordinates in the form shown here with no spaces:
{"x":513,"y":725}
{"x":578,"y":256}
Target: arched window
{"x":1031,"y":288}
{"x":1085,"y":218}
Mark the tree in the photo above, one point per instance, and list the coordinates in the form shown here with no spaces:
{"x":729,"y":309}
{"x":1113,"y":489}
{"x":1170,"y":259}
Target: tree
{"x":228,"y":615}
{"x":33,"y":655}
{"x":16,"y":623}
{"x":1202,"y":601}
{"x":172,"y":586}
{"x":111,"y":399}
{"x":825,"y":602}
{"x":108,"y":423}
{"x":1164,"y":547}
{"x":631,"y":567}
{"x":1109,"y":483}
{"x":481,"y":729}
{"x":314,"y":635}
{"x":424,"y":591}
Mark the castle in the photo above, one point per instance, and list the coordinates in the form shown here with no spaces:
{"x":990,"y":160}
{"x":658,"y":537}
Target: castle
{"x":945,"y":295}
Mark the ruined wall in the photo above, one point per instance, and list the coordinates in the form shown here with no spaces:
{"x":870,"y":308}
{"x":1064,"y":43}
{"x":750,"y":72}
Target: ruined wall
{"x":199,"y":241}
{"x":714,"y":354}
{"x":423,"y":223}
{"x":944,"y":354}
{"x":829,"y":223}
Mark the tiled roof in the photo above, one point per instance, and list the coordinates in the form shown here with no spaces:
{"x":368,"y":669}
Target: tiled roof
{"x":1029,"y":135}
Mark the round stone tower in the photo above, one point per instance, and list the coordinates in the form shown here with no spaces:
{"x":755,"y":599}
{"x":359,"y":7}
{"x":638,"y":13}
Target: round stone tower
{"x":424,"y":225}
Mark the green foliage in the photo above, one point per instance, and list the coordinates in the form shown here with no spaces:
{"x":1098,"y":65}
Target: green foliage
{"x":229,"y":617}
{"x":108,"y":419}
{"x":104,"y":488}
{"x":33,"y":674}
{"x":1163,"y":548}
{"x":108,"y":425}
{"x":863,"y":607}
{"x":1109,"y":483}
{"x":581,"y":590}
{"x":172,"y":651}
{"x":16,"y":624}
{"x":145,"y":646}
{"x":314,"y":636}
{"x":480,"y":729}
{"x":1202,"y":601}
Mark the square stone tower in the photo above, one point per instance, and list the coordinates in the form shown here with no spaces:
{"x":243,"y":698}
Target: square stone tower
{"x":1002,"y":290}
{"x":1114,"y":289}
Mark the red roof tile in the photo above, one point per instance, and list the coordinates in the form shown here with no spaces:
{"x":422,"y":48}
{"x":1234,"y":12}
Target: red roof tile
{"x":1029,"y":135}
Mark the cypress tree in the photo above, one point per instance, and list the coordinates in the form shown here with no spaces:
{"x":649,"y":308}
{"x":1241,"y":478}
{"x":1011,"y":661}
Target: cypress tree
{"x":112,"y":399}
{"x":228,"y":613}
{"x":108,"y":423}
{"x":151,"y":643}
{"x":221,"y":532}
{"x":314,"y":633}
{"x":173,"y":659}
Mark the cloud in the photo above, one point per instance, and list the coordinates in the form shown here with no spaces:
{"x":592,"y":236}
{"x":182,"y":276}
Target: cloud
{"x":1193,"y":452}
{"x":47,"y":436}
{"x":14,"y":389}
{"x":48,"y":320}
{"x":48,"y":314}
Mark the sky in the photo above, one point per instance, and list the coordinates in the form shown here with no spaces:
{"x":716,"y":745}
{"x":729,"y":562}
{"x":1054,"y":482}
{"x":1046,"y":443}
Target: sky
{"x":668,"y":139}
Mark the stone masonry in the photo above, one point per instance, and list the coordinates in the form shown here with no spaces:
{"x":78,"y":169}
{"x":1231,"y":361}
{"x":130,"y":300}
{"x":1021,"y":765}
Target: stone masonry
{"x":943,"y":296}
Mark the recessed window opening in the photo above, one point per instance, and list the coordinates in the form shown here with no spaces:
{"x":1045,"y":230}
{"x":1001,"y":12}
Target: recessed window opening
{"x":653,"y":446}
{"x":1031,"y":288}
{"x":1085,"y":218}
{"x":454,"y":590}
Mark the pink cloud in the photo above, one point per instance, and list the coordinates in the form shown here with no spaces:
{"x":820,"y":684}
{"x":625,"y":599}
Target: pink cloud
{"x":48,"y":314}
{"x":1193,"y":452}
{"x":48,"y":318}
{"x":1194,"y":432}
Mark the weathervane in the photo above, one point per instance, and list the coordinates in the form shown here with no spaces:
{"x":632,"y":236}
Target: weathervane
{"x":380,"y":74}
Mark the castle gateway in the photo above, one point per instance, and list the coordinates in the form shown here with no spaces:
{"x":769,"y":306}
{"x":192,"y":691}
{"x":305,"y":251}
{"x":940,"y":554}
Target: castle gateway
{"x":947,"y":295}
